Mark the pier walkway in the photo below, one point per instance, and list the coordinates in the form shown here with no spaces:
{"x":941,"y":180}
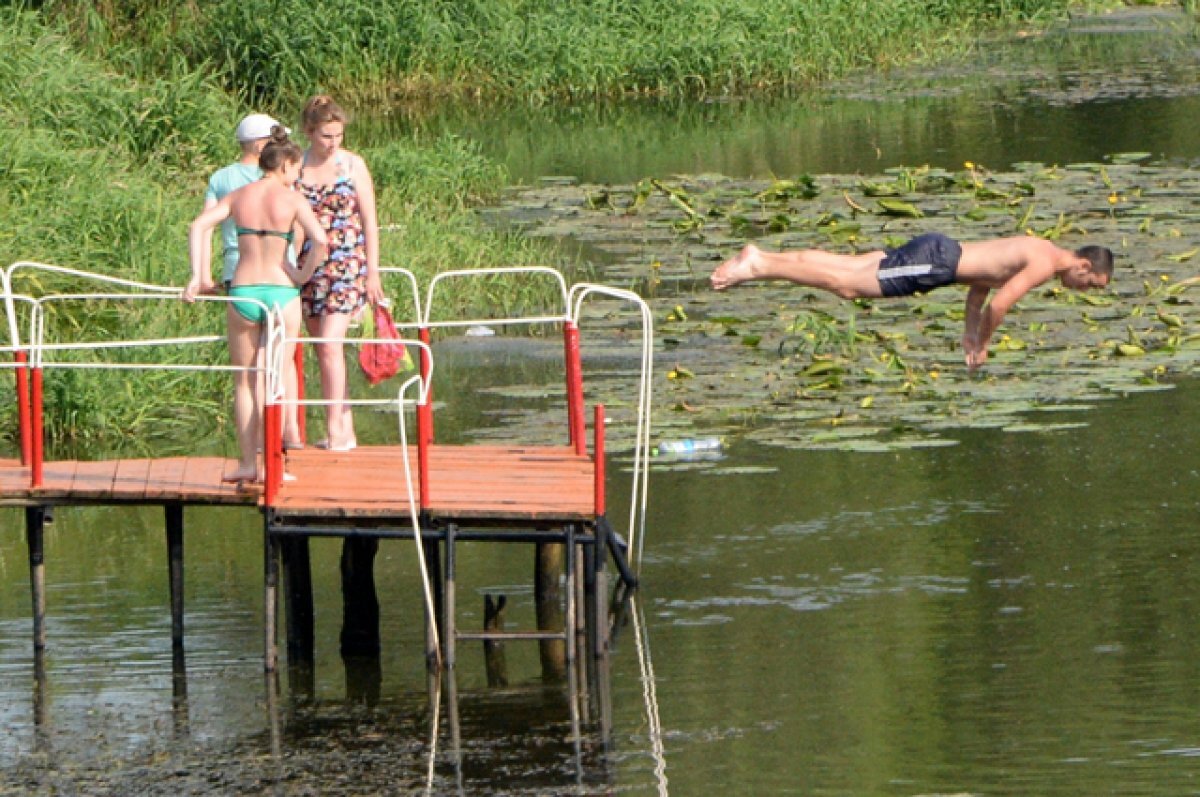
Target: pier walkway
{"x":439,"y":495}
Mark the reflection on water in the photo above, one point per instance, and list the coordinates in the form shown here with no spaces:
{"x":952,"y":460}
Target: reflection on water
{"x":1011,"y":615}
{"x":1074,"y":95}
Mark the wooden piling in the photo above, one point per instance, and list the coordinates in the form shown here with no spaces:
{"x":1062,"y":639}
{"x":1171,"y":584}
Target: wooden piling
{"x":35,"y":530}
{"x":360,"y":604}
{"x":298,"y":599}
{"x":493,"y":650}
{"x":174,"y":523}
{"x":270,"y":600}
{"x":433,"y":563}
{"x":548,"y":600}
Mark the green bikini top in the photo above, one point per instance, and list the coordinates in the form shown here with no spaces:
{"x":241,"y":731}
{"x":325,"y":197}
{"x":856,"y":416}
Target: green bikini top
{"x":287,"y":236}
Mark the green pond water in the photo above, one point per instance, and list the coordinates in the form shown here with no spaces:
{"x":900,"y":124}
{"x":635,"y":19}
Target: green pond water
{"x":1009,"y":614}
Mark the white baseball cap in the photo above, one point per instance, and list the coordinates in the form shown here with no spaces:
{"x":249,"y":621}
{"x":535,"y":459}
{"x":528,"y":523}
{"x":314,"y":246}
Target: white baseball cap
{"x":256,"y":126}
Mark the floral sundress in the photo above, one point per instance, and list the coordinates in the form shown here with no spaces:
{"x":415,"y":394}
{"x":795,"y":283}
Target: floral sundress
{"x":339,"y":285}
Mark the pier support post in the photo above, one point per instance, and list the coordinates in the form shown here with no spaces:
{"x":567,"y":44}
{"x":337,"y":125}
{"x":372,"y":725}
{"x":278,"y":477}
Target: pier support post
{"x":493,"y":649}
{"x":449,"y":629}
{"x":360,"y":604}
{"x":597,"y":619}
{"x":174,"y":522}
{"x":298,"y":598}
{"x":548,"y":600}
{"x":35,"y":528}
{"x":270,"y":598}
{"x":433,"y":563}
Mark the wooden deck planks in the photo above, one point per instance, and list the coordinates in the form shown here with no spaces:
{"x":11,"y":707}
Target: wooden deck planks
{"x":92,"y":479}
{"x":164,"y":480}
{"x":487,"y":482}
{"x":129,"y":481}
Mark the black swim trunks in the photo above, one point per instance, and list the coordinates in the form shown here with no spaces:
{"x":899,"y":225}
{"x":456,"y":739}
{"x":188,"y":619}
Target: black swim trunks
{"x":926,"y":262}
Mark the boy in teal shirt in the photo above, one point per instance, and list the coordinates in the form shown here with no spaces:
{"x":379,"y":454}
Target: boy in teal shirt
{"x":252,"y":134}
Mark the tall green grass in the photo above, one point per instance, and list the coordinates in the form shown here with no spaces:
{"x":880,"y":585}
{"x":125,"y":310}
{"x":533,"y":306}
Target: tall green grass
{"x":104,"y":166}
{"x":543,"y":49}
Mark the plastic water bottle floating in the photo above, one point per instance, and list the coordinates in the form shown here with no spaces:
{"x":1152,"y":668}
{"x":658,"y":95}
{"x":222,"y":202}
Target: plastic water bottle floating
{"x":692,"y":445}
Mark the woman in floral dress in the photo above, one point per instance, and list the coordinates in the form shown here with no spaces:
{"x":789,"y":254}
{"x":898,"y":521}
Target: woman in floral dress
{"x":339,"y":189}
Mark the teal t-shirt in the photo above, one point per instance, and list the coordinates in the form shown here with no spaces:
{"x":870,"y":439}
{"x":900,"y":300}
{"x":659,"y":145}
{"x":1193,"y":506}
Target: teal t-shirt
{"x":226,"y":181}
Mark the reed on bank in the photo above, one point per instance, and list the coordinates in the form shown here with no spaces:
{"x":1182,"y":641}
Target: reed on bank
{"x":539,"y":50}
{"x":103,"y":171}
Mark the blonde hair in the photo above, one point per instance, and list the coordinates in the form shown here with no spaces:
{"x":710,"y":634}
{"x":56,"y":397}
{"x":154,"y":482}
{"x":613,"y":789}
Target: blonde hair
{"x":321,"y":110}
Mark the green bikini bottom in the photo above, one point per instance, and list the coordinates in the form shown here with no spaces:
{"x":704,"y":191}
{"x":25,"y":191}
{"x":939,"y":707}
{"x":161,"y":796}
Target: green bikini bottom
{"x":273,"y":296}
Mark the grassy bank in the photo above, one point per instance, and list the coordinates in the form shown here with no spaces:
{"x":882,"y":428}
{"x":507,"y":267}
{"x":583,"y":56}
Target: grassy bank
{"x":542,"y":49}
{"x":104,"y":167}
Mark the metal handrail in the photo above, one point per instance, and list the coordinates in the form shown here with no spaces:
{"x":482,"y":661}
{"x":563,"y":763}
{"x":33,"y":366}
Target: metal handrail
{"x":639,"y":492}
{"x":486,"y":272}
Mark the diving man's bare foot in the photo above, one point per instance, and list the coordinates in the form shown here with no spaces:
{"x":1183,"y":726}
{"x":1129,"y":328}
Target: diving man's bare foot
{"x":737,"y":269}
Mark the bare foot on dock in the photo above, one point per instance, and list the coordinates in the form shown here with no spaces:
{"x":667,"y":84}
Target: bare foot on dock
{"x":736,"y":270}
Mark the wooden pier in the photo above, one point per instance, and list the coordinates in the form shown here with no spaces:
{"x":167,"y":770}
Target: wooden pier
{"x":435,"y":494}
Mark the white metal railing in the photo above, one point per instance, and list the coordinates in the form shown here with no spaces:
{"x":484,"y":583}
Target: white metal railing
{"x":639,"y":492}
{"x":11,"y":298}
{"x":476,"y":273}
{"x":41,"y":351}
{"x":410,"y":281}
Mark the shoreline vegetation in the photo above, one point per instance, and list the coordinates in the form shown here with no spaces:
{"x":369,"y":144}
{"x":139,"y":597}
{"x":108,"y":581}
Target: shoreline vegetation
{"x":114,"y":114}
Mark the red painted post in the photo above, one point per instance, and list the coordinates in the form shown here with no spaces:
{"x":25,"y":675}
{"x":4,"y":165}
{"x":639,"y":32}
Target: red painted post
{"x":422,"y":468}
{"x":598,"y":445}
{"x":22,"y":360}
{"x":298,"y":357}
{"x":35,"y":465}
{"x":272,"y":452}
{"x":425,"y":411}
{"x":575,"y":407}
{"x":424,"y":421}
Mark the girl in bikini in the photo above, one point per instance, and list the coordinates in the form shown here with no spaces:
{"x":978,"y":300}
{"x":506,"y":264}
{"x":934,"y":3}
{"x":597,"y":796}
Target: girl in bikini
{"x":339,"y":189}
{"x":268,"y":214}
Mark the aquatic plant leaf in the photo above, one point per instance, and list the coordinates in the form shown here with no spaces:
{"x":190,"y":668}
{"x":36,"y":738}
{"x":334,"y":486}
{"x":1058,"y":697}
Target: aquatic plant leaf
{"x":1011,"y":344}
{"x":895,"y":207}
{"x":878,"y":189}
{"x":821,"y":367}
{"x":1181,"y":257}
{"x":1130,"y":157}
{"x":803,"y":187}
{"x":1043,"y":427}
{"x":984,"y":193}
{"x":1094,"y":301}
{"x":1170,"y":319}
{"x":780,"y":222}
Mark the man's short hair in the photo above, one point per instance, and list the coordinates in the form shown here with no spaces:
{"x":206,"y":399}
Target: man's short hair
{"x":1101,"y":258}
